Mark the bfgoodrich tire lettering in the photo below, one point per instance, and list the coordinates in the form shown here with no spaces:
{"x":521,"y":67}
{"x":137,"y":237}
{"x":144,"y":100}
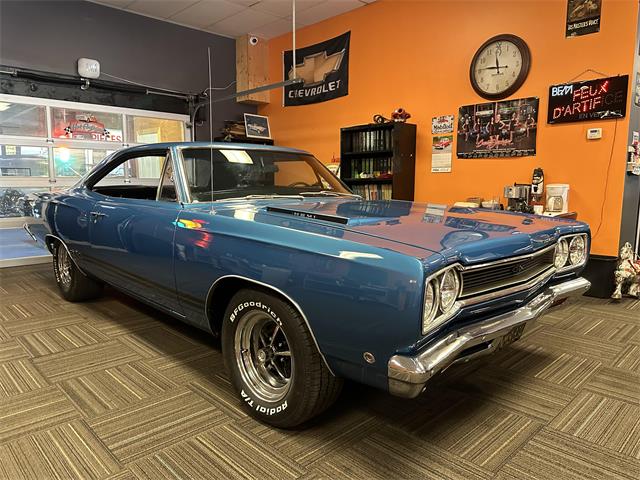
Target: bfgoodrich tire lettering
{"x":73,"y":284}
{"x":273,"y":361}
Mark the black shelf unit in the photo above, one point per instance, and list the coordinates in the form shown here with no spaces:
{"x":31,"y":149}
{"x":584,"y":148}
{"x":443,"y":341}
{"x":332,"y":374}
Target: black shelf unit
{"x":257,"y":141}
{"x":385,"y":151}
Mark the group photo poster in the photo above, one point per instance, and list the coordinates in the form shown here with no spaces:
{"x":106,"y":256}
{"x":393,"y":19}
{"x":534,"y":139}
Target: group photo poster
{"x":506,"y":128}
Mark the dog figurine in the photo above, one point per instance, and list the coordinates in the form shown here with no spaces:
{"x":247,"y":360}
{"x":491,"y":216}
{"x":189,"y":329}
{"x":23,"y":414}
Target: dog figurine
{"x":627,"y":273}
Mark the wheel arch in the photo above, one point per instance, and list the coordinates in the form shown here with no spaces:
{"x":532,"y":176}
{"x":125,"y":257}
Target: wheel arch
{"x":50,"y":239}
{"x":225,"y":287}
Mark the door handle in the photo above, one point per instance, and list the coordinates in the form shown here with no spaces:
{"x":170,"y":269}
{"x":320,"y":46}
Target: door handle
{"x":97,"y":215}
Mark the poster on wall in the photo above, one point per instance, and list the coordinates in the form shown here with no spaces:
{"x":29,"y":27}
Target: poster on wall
{"x":636,"y":92}
{"x":498,"y":129}
{"x":441,"y":147}
{"x":442,"y":124}
{"x":323,"y":68}
{"x":583,"y":17}
{"x":600,"y":99}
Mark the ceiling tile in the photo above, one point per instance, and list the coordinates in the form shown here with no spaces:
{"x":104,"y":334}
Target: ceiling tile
{"x":244,"y":3}
{"x":206,"y":12}
{"x":282,"y":8}
{"x":327,"y":9}
{"x":274,"y":29}
{"x":115,"y":3}
{"x":240,"y":23}
{"x":160,"y":8}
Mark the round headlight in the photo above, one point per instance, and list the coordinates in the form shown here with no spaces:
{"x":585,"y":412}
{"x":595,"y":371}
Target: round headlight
{"x":577,"y":250}
{"x":449,"y":289}
{"x":430,"y":304}
{"x":562,"y":254}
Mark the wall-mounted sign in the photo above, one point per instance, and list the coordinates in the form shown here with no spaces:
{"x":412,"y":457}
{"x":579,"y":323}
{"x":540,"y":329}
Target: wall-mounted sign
{"x":442,"y":124}
{"x":591,"y":100}
{"x":498,"y":129}
{"x":583,"y":17}
{"x":324,"y":69}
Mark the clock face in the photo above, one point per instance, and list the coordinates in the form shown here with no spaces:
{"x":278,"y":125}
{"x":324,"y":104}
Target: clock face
{"x":500,"y":67}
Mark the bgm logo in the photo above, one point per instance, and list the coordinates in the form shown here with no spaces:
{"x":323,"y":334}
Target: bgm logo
{"x":315,"y":68}
{"x":560,"y":90}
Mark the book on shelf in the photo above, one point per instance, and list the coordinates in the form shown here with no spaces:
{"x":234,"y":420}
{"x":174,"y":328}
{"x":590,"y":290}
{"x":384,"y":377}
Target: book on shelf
{"x":371,"y":191}
{"x":370,"y":167}
{"x":370,"y":141}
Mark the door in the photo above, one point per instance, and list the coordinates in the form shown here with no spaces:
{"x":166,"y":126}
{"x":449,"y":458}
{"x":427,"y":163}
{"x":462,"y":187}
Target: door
{"x":132,"y":229}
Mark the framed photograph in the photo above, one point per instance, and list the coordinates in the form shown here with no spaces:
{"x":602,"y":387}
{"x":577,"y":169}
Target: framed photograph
{"x":257,"y":126}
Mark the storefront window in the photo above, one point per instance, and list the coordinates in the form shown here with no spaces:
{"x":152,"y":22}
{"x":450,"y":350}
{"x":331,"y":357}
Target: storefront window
{"x":153,"y":130}
{"x":84,"y":125}
{"x":145,"y":167}
{"x":24,"y":161}
{"x":75,"y":162}
{"x":22,"y":120}
{"x":13,"y":201}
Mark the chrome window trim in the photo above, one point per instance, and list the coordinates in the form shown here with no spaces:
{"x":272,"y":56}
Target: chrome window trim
{"x":277,"y":290}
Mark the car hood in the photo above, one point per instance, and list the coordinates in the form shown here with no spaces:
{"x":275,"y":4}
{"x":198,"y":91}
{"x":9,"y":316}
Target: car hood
{"x":464,"y":234}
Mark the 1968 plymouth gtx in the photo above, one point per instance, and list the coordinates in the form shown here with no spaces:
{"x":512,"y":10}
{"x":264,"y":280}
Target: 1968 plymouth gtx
{"x":306,"y":283}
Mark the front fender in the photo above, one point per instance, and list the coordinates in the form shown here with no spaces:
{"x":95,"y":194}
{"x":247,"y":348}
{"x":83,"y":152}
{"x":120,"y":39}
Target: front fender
{"x":357,"y":298}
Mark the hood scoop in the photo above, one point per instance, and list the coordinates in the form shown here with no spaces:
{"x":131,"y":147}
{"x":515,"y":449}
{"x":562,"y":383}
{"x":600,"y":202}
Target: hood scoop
{"x":309,"y":215}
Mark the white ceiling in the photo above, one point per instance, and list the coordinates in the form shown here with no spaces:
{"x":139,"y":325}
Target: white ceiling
{"x":232,"y":18}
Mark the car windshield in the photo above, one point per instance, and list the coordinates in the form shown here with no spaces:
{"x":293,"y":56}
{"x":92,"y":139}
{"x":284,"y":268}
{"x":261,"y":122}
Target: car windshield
{"x":255,"y":173}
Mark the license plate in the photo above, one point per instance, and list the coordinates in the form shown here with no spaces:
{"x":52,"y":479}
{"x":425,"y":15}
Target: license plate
{"x":514,"y":334}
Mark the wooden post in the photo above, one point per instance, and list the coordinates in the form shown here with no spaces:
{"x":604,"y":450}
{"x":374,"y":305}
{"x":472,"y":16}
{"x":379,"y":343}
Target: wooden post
{"x":252,"y":68}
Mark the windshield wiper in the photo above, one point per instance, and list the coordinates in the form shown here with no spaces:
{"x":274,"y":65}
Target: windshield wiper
{"x":329,"y":193}
{"x":261,"y":197}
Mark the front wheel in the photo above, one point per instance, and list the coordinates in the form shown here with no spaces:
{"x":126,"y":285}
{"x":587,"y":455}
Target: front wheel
{"x":74,"y":285}
{"x":273,"y":361}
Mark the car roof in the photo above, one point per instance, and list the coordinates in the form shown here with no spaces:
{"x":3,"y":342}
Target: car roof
{"x":216,"y":145}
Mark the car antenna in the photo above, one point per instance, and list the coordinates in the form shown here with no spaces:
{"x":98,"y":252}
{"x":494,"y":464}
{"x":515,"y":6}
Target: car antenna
{"x":210,"y":123}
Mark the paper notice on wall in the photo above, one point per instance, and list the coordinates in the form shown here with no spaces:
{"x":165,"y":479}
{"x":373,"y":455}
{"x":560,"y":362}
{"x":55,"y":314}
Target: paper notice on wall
{"x":441,"y":163}
{"x":442,"y":124}
{"x":441,"y":148}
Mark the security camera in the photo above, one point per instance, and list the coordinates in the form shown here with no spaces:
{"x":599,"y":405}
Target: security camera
{"x":253,"y":40}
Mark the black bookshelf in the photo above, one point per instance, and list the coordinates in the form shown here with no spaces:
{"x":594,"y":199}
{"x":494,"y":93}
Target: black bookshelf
{"x":378,"y":161}
{"x":257,"y":141}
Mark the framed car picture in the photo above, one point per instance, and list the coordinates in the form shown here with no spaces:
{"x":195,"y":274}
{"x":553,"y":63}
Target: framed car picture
{"x":257,"y":126}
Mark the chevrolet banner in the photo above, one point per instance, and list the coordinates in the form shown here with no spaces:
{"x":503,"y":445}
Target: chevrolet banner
{"x":324,"y":70}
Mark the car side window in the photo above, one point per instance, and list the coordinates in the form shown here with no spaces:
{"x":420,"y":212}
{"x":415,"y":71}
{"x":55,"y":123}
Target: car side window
{"x":137,"y":177}
{"x":167,"y":188}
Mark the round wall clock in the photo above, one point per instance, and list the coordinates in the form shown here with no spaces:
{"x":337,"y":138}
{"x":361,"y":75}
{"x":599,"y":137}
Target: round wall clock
{"x":500,"y":66}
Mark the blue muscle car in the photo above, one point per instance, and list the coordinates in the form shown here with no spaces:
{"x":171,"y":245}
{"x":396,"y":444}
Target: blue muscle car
{"x":306,"y":283}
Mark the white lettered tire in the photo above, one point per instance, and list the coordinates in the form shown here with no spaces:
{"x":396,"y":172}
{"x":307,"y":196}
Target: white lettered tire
{"x":273,"y":361}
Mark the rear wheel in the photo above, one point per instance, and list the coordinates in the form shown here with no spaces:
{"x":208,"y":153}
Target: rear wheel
{"x":273,"y":361}
{"x":73,"y":284}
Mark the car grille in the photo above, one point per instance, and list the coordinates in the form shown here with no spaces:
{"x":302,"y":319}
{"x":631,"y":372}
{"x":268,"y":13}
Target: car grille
{"x":485,"y":278}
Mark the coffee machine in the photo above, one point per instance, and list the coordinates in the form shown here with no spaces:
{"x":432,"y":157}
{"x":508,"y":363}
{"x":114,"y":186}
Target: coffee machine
{"x":518,"y":197}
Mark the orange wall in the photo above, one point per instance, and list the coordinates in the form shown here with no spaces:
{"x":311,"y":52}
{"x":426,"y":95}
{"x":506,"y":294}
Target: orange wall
{"x":416,"y":54}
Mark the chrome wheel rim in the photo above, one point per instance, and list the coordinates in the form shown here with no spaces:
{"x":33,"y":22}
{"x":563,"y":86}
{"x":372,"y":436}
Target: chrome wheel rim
{"x":64,"y":267}
{"x":263,"y":356}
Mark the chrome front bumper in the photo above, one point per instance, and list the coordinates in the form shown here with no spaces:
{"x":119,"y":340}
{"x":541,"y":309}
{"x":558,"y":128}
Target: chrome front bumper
{"x":408,"y":375}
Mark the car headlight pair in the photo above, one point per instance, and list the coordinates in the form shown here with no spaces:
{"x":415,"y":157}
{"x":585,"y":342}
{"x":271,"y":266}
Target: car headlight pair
{"x":571,"y":252}
{"x":440,"y":295}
